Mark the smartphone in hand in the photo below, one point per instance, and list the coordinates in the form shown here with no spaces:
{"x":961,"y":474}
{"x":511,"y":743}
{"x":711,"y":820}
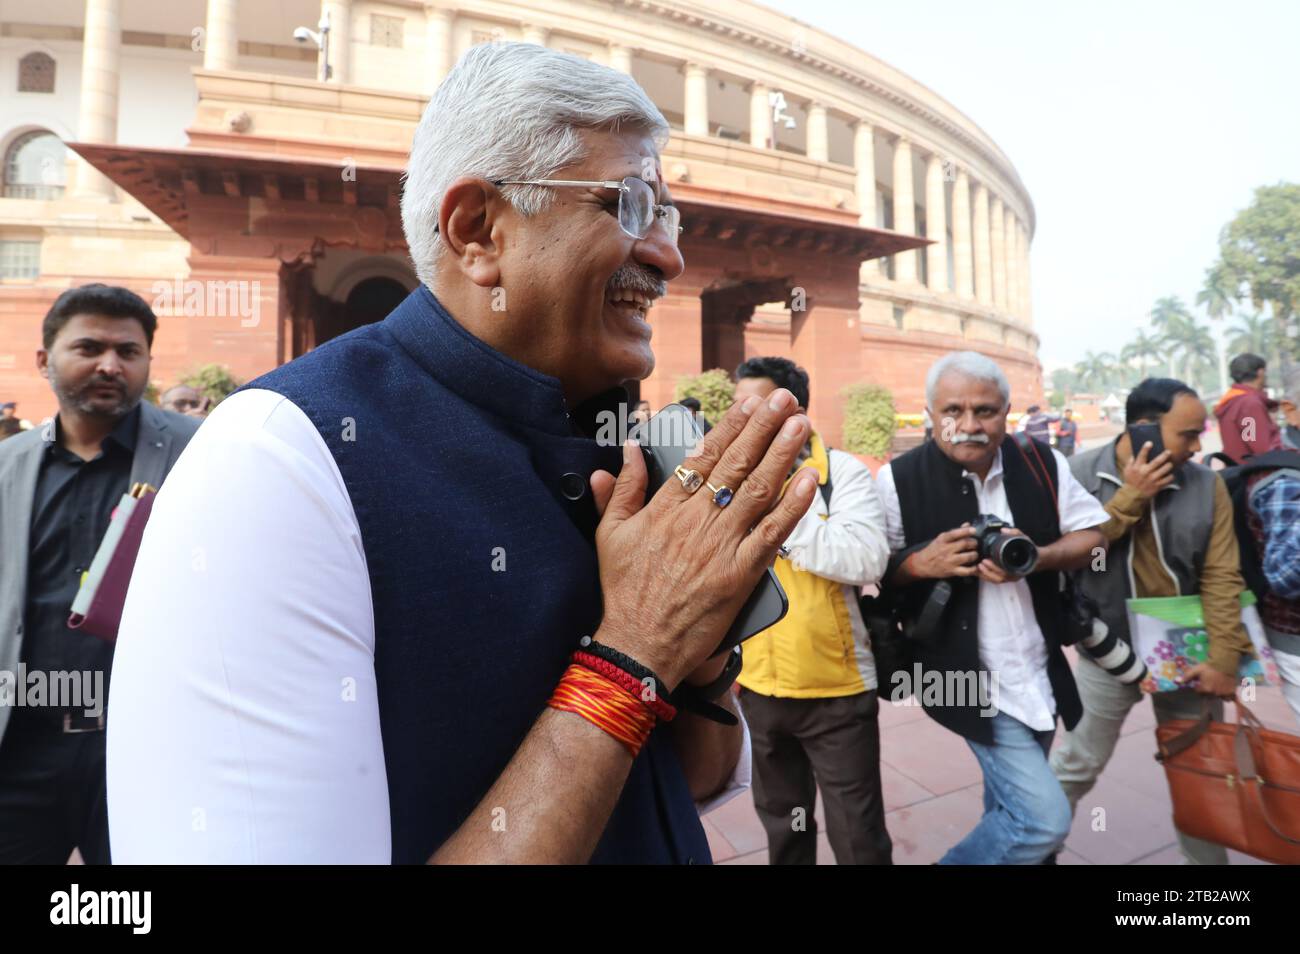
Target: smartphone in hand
{"x":1139,"y":434}
{"x":667,"y":439}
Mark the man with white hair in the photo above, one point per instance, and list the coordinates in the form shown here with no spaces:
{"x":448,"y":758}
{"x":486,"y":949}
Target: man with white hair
{"x":417,"y":615}
{"x":978,"y":623}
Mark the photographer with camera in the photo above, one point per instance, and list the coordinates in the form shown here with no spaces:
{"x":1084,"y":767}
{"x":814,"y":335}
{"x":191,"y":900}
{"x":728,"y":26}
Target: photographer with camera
{"x":1170,"y":529}
{"x":988,"y":525}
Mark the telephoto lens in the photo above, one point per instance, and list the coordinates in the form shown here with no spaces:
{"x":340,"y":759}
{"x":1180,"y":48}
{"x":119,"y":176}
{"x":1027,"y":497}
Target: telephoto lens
{"x":1014,"y":553}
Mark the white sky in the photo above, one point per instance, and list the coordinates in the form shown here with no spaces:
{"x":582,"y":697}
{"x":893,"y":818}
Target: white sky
{"x":1139,"y":128}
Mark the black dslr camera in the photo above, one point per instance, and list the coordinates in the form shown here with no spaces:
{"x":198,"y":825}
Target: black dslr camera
{"x":1014,"y":554}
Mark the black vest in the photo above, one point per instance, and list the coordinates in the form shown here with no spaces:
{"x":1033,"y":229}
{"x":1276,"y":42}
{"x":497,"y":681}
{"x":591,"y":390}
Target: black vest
{"x":454,"y":455}
{"x":934,"y":497}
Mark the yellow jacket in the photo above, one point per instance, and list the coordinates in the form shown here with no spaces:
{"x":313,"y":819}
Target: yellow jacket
{"x":821,"y":648}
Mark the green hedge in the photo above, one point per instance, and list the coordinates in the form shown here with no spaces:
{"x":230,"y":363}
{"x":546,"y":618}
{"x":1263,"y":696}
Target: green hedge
{"x":869,"y":421}
{"x":213,"y":381}
{"x":713,"y":389}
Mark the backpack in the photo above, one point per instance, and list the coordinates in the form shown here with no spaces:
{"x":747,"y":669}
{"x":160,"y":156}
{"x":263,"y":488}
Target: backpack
{"x":1237,"y":478}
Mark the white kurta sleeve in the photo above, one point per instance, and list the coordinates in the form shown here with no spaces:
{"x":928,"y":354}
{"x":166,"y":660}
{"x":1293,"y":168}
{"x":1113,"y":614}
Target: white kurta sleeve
{"x":1079,"y":509}
{"x":243,"y":723}
{"x":888,"y":493}
{"x":742,"y":776}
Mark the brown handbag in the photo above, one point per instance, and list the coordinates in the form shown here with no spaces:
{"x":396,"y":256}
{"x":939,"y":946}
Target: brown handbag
{"x":1234,"y":785}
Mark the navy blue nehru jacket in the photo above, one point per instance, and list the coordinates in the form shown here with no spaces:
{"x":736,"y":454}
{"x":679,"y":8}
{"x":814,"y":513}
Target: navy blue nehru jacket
{"x":450,"y":450}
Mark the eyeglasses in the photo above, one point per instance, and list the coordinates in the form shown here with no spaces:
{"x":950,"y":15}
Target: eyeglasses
{"x":637,"y":211}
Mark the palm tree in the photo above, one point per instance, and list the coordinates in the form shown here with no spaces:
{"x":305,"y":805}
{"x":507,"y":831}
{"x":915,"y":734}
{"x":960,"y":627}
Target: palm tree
{"x":1253,"y":333}
{"x":1095,"y":370}
{"x":1197,"y":349}
{"x":1219,"y":296}
{"x":1141,"y":348}
{"x":1172,"y":321}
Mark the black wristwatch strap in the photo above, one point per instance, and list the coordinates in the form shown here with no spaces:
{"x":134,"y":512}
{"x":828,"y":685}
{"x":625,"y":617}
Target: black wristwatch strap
{"x":724,"y":681}
{"x":698,"y":699}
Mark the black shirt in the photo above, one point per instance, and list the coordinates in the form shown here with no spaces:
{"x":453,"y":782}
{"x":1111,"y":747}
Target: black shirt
{"x":74,"y":502}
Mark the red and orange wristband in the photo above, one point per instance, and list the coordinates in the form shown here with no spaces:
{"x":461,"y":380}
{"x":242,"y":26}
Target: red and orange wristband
{"x":612,"y":696}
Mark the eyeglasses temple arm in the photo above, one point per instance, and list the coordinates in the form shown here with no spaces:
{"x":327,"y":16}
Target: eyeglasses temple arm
{"x":590,"y":184}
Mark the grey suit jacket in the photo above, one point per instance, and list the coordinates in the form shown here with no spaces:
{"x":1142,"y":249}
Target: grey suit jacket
{"x":162,"y":437}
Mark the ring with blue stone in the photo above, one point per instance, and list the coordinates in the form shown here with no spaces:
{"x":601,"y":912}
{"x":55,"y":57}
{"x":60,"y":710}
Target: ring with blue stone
{"x":721,"y":495}
{"x":691,"y":479}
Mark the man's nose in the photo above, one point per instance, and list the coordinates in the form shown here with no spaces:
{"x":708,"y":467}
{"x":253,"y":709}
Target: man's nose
{"x":658,"y":251}
{"x":109,"y":364}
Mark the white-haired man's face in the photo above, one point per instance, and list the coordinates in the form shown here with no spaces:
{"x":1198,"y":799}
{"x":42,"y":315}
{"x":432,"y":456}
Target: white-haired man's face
{"x":970,"y":420}
{"x":577,"y":288}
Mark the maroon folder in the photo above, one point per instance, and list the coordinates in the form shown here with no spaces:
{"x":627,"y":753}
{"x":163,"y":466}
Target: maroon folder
{"x":104,"y":614}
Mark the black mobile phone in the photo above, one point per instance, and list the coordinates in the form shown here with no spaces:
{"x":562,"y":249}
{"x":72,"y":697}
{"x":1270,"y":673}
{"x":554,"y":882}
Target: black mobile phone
{"x":1139,"y":434}
{"x":667,"y":439}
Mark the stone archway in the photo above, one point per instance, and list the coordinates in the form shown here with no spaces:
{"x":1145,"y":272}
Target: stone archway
{"x":726,"y":308}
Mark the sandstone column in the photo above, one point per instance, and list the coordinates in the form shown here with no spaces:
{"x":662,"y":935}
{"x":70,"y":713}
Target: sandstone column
{"x":983,"y":252}
{"x":936,"y":226}
{"x":819,"y":143}
{"x":760,"y":117}
{"x":1012,"y":234}
{"x":962,"y":272}
{"x":620,"y":58}
{"x":97,"y":113}
{"x":536,"y":34}
{"x":221,"y":36}
{"x":1029,"y":288}
{"x":437,"y":32}
{"x":904,"y":209}
{"x":998,"y":237}
{"x":697,"y":100}
{"x":340,"y":41}
{"x":864,"y":161}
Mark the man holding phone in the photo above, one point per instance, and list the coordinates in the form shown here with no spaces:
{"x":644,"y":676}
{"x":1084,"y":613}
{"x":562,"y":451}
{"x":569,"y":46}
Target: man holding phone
{"x":1171,"y":534}
{"x":431,"y":615}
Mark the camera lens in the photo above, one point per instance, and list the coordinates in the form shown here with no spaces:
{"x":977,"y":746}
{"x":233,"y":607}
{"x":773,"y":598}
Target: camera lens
{"x":1016,"y":555}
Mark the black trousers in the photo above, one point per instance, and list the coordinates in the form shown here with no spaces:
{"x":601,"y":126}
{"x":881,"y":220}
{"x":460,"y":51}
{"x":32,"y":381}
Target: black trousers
{"x":52,"y":793}
{"x":802,"y":744}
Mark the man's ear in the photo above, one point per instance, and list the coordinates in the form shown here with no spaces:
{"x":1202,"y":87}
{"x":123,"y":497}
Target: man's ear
{"x":43,"y":362}
{"x":470,"y":215}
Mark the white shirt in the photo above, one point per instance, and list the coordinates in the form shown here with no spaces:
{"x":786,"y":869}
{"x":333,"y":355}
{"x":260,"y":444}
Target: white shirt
{"x":1010,"y":643}
{"x":244,"y":715}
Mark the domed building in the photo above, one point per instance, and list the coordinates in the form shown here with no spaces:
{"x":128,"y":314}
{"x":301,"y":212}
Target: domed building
{"x":238,"y":165}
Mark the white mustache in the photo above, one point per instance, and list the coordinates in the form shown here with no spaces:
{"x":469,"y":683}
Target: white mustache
{"x":638,"y":280}
{"x":968,"y":438}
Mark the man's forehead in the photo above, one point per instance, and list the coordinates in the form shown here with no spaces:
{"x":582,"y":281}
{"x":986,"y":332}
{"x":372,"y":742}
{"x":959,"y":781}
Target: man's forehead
{"x":1187,"y":410}
{"x":752,"y":385}
{"x":957,"y":387}
{"x":103,"y":328}
{"x":619,"y":155}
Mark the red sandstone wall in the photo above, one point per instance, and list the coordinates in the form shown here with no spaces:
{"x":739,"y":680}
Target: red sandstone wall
{"x":899,"y":361}
{"x":895,"y":359}
{"x":181,"y":342}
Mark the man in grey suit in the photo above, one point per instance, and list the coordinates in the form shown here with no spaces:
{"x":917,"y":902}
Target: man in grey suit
{"x":59,"y":484}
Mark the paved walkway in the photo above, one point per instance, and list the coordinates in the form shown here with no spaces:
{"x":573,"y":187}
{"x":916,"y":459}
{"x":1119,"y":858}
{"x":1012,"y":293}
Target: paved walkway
{"x":934,"y":792}
{"x":934,"y":795}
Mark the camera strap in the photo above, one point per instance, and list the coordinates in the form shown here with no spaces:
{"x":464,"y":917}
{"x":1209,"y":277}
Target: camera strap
{"x":1039,"y":469}
{"x":1080,"y":610}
